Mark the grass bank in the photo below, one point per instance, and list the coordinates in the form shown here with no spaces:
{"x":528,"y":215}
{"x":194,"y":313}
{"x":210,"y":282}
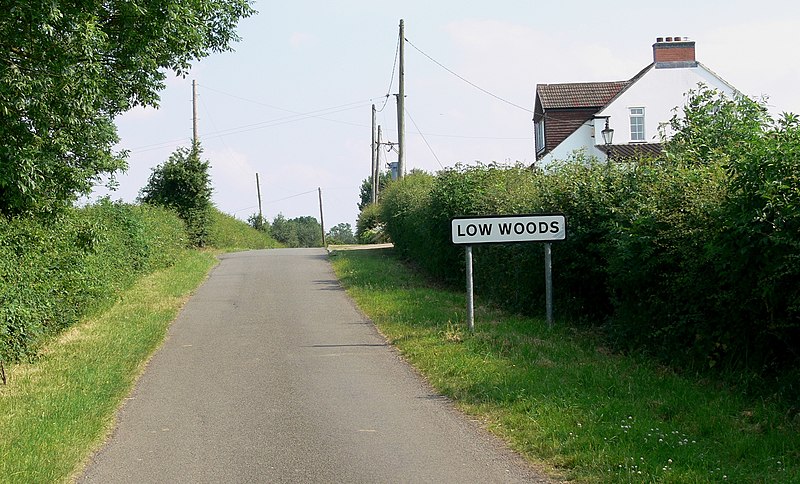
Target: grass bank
{"x":561,"y":398}
{"x":58,"y":408}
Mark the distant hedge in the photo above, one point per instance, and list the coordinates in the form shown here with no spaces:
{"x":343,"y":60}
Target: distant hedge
{"x":227,"y":232}
{"x":693,"y":257}
{"x":54,"y":271}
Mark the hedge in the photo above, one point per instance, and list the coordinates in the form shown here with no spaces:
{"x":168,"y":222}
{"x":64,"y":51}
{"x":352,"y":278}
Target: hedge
{"x":54,"y":271}
{"x":693,"y":257}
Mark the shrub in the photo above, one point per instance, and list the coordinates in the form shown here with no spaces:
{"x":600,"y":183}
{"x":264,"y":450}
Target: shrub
{"x":227,"y":232}
{"x":369,"y":228}
{"x":183,"y":184}
{"x":54,"y":271}
{"x":403,"y":211}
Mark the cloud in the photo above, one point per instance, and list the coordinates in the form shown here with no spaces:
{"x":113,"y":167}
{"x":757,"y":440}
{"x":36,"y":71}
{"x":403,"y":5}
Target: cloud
{"x":753,"y":57}
{"x":140,"y":113}
{"x":301,"y":39}
{"x":500,"y":52}
{"x":233,"y":181}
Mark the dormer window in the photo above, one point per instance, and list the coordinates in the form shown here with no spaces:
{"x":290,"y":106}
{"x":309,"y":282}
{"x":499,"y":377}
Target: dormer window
{"x":637,"y":124}
{"x":539,"y":128}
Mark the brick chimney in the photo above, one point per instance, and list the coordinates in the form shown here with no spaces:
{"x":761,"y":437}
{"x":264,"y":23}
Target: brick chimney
{"x":672,"y":52}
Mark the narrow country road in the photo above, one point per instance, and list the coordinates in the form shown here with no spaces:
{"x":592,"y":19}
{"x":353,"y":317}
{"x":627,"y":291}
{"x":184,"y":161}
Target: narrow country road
{"x":270,"y":374}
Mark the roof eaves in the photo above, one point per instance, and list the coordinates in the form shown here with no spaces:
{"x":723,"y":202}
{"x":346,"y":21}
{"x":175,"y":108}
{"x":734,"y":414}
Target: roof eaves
{"x":633,"y":80}
{"x":700,"y":64}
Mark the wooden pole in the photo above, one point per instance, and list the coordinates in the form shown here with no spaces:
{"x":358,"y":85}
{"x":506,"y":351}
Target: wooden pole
{"x":375,"y":148}
{"x":258,"y":189}
{"x":321,"y":219}
{"x":195,"y":136}
{"x":401,"y":103}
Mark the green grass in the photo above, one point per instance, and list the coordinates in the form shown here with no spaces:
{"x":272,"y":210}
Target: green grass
{"x":229,"y":233}
{"x":57,"y":409}
{"x":562,"y":399}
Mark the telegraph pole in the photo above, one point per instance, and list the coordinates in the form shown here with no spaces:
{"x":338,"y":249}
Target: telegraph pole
{"x":375,"y":148}
{"x":321,"y":220}
{"x":260,"y":215}
{"x":378,"y":148}
{"x":195,"y":138}
{"x":401,"y":113}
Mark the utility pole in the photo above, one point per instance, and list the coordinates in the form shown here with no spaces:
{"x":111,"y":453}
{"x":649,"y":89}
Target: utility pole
{"x":378,"y":146}
{"x":195,"y":138}
{"x":374,"y":150}
{"x":260,"y":215}
{"x":321,"y":220}
{"x":401,"y":113}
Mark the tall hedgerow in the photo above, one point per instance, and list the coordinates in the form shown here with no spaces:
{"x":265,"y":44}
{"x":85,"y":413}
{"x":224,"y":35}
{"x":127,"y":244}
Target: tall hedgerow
{"x":404,"y":211}
{"x":693,"y":257}
{"x":54,"y":271}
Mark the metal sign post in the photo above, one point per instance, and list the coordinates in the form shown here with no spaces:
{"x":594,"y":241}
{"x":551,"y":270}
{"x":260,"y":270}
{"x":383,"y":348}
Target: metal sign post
{"x":504,"y":229}
{"x":470,"y":299}
{"x":548,"y":282}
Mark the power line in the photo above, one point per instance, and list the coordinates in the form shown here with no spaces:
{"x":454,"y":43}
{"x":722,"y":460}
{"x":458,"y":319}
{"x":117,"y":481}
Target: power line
{"x":391,"y":79}
{"x":268,"y":124}
{"x":474,"y":137}
{"x":467,"y":80}
{"x":424,"y":139}
{"x":291,"y":196}
{"x":278,"y":200}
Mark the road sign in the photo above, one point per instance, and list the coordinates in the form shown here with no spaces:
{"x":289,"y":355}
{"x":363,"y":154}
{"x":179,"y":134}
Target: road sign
{"x":505,"y":229}
{"x":508,"y":228}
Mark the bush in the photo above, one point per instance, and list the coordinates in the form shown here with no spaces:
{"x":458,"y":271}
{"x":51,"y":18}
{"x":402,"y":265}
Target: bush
{"x":404,"y":213}
{"x":55,"y":271}
{"x":182,"y":183}
{"x":369,"y":228}
{"x":227,"y":232}
{"x":693,"y":257}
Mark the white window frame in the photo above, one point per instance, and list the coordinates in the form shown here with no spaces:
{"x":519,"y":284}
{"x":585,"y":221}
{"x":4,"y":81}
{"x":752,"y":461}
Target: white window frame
{"x":539,"y":135}
{"x":635,"y":114}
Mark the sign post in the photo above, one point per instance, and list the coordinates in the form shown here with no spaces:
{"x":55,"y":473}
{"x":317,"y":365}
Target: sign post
{"x":548,"y":282}
{"x":501,"y":229}
{"x":470,"y":302}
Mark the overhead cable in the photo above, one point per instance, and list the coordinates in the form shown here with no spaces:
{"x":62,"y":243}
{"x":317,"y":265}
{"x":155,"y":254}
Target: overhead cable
{"x":391,"y":79}
{"x":424,"y":139}
{"x":467,"y":80}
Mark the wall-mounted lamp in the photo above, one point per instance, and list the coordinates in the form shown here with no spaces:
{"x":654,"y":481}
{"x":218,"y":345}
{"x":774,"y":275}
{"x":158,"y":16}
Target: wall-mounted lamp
{"x":608,"y":138}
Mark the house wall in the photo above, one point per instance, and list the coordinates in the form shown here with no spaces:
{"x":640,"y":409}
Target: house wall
{"x":659,"y":91}
{"x":559,"y":124}
{"x":581,"y":140}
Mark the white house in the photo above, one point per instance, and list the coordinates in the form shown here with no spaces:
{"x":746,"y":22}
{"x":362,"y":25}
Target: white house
{"x":572,"y":116}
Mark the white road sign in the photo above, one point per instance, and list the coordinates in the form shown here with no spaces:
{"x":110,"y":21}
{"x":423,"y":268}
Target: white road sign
{"x":513,"y":228}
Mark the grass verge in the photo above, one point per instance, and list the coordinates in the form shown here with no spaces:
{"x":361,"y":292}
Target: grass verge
{"x":56,"y":410}
{"x":561,"y":399}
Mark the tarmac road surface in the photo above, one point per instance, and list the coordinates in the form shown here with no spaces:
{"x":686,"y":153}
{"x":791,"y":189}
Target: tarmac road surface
{"x":271,"y":374}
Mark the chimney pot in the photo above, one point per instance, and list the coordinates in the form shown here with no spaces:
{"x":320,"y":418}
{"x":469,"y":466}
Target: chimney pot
{"x":669,"y":39}
{"x":659,"y":39}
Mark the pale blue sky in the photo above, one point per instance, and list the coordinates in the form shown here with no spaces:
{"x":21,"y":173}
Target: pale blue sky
{"x":303,"y":56}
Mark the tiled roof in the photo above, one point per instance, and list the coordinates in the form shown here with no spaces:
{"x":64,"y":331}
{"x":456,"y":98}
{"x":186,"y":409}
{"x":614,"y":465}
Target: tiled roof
{"x":578,"y":94}
{"x":633,"y":150}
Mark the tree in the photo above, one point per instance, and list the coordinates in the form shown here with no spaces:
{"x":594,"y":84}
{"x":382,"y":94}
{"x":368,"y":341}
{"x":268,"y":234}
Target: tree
{"x":182,"y":183}
{"x":259,"y":223}
{"x":713,"y":127}
{"x":309,"y":231}
{"x":341,"y":234}
{"x":67,"y":69}
{"x":297,"y":232}
{"x":365,"y":194}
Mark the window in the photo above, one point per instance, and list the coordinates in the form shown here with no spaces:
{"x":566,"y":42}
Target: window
{"x":637,"y":124}
{"x":539,"y":135}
